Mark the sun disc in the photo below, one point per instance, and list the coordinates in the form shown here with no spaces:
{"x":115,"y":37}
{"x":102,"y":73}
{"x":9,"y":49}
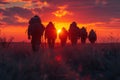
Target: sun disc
{"x":58,"y":31}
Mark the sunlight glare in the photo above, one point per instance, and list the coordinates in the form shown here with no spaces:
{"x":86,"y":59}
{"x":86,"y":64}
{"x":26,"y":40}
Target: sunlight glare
{"x":59,"y":31}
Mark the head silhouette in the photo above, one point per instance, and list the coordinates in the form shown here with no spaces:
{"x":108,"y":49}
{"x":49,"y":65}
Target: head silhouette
{"x":37,"y":18}
{"x":50,"y":25}
{"x":74,"y":23}
{"x":63,"y":28}
{"x":92,"y":30}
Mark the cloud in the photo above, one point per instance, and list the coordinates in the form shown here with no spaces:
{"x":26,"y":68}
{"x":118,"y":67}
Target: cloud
{"x":16,"y":15}
{"x":24,"y":3}
{"x":1,"y":2}
{"x":81,"y":11}
{"x":20,"y":19}
{"x":112,"y":23}
{"x":1,"y":14}
{"x":36,"y":4}
{"x":101,"y":2}
{"x":115,"y":20}
{"x":62,"y":11}
{"x":22,"y":12}
{"x":1,"y":23}
{"x":94,"y":13}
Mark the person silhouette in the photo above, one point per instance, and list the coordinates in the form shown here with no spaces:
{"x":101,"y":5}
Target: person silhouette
{"x":63,"y":36}
{"x":74,"y":33}
{"x":83,"y":35}
{"x":35,"y":32}
{"x":50,"y":34}
{"x":92,"y":36}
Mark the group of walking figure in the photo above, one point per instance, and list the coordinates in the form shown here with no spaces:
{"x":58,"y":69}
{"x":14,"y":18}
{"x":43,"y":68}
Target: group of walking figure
{"x":36,"y":30}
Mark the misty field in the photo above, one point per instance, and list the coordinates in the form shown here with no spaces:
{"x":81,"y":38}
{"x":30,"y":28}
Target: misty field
{"x":81,"y":62}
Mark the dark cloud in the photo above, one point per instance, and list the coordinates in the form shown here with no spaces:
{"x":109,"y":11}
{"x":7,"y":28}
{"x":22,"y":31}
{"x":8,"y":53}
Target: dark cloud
{"x":2,"y":2}
{"x":10,"y":20}
{"x":114,"y":2}
{"x":1,"y":23}
{"x":62,"y":2}
{"x":11,"y":13}
{"x":88,"y":12}
{"x":22,"y":12}
{"x":84,"y":11}
{"x":98,"y":14}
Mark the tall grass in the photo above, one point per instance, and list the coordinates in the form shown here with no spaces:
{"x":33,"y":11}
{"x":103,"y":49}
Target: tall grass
{"x":81,"y":62}
{"x":4,"y":42}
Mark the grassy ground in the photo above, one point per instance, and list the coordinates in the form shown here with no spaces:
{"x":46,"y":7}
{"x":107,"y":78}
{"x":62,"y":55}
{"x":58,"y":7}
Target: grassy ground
{"x":81,"y":62}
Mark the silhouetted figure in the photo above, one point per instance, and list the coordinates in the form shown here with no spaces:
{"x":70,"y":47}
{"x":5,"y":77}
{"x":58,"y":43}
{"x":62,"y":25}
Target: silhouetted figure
{"x":83,"y":34}
{"x":92,"y":36}
{"x":50,"y":34}
{"x":35,"y":32}
{"x":63,"y":36}
{"x":74,"y":33}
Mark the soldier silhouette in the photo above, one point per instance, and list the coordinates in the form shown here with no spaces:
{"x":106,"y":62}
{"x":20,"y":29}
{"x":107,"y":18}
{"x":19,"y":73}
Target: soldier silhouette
{"x":63,"y":36}
{"x":50,"y":34}
{"x":83,"y":34}
{"x":74,"y":33}
{"x":92,"y":36}
{"x":35,"y":32}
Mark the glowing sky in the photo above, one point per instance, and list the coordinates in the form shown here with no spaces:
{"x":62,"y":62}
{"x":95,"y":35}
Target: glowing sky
{"x":90,"y":13}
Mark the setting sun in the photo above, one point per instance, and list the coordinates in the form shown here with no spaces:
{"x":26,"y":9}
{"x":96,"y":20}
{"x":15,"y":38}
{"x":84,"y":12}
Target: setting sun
{"x":58,"y":31}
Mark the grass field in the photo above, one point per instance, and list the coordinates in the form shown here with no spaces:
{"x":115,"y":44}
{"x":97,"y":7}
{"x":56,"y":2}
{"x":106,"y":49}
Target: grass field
{"x":80,"y":62}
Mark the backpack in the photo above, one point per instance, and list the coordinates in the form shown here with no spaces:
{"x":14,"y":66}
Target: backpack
{"x":36,"y":29}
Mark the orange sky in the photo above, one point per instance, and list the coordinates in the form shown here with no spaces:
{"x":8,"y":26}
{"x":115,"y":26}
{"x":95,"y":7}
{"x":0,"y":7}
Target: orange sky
{"x":100,"y":15}
{"x":104,"y":34}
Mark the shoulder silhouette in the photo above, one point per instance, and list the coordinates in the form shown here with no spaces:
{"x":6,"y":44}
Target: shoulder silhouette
{"x":92,"y":36}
